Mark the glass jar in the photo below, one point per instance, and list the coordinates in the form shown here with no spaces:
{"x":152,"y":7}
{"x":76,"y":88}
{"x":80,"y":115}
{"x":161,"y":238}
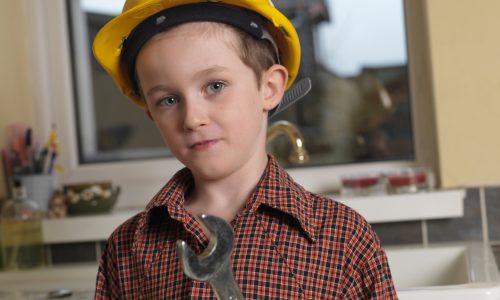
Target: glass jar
{"x":21,"y":232}
{"x":411,"y":180}
{"x":362,"y":185}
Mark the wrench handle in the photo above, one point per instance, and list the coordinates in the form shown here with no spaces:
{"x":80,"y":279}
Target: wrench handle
{"x":224,"y":285}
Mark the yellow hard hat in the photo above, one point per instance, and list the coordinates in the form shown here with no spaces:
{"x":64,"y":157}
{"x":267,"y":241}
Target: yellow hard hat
{"x":110,"y":40}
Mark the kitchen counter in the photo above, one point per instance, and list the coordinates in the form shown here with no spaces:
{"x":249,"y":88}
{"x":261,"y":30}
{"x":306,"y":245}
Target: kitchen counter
{"x":37,"y":283}
{"x":39,"y":295}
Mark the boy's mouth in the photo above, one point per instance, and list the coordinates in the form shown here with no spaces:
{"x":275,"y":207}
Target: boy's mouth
{"x":204,"y":144}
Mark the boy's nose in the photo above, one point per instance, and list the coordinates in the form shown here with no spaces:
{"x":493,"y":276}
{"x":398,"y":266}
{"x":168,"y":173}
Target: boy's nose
{"x":195,"y":116}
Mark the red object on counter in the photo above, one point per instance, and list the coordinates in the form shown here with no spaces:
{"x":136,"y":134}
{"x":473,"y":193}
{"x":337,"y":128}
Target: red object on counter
{"x":360,"y":182}
{"x":407,"y":179}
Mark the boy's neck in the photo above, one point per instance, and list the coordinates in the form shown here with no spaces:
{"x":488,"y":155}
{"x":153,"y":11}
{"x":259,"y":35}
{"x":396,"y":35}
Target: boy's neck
{"x":224,"y":198}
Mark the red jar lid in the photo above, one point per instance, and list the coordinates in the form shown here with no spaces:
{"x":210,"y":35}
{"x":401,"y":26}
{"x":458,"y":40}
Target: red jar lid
{"x":407,"y":179}
{"x":359,"y":182}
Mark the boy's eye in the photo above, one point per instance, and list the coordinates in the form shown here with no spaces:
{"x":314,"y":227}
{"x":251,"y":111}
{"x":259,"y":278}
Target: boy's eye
{"x":168,"y":101}
{"x":216,"y":87}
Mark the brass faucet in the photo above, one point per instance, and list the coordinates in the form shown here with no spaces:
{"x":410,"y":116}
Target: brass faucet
{"x":299,"y":153}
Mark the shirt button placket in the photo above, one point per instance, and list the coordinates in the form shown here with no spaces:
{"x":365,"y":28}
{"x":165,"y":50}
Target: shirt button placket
{"x":200,"y":290}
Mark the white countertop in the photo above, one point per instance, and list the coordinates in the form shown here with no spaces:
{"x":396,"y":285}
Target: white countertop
{"x":409,"y":207}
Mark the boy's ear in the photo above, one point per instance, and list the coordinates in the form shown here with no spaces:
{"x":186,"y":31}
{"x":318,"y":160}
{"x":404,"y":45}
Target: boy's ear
{"x":273,"y":86}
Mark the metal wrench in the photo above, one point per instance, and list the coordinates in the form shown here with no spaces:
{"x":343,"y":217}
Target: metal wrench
{"x":213,"y":264}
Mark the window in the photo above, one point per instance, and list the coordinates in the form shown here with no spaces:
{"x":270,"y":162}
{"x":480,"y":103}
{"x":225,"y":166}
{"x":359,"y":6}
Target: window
{"x":109,"y":126}
{"x":358,"y":110}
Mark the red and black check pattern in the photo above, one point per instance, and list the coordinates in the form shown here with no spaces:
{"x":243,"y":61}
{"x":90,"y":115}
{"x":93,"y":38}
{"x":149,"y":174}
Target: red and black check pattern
{"x":289,"y":244}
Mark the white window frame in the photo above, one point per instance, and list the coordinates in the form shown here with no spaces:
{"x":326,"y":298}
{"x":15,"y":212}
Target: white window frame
{"x":48,"y":34}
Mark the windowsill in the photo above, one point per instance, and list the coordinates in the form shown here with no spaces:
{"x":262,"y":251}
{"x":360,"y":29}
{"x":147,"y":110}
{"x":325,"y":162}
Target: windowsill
{"x":376,"y":209}
{"x":84,"y":228}
{"x":409,"y":207}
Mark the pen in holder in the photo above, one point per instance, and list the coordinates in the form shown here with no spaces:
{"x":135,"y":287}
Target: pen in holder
{"x":24,"y":159}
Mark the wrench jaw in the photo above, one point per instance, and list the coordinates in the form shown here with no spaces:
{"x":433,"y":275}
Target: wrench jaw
{"x":213,"y":264}
{"x":203,"y":267}
{"x":221,"y":238}
{"x":190,"y":263}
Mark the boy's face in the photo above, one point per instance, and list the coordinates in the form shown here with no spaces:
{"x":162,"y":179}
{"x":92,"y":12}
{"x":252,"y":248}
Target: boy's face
{"x":205,"y":101}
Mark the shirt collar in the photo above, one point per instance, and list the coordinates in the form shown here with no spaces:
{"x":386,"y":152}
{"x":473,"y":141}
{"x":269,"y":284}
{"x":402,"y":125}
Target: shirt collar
{"x":170,"y":197}
{"x":276,"y":189}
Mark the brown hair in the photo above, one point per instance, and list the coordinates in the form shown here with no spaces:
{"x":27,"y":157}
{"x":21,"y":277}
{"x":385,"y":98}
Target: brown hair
{"x":258,"y":55}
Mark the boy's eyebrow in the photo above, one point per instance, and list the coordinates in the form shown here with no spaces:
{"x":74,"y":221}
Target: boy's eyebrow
{"x":156,"y":88}
{"x":210,"y":70}
{"x":201,"y":73}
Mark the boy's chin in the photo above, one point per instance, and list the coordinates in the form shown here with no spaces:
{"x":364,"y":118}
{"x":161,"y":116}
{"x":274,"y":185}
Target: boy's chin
{"x":213,"y":170}
{"x":209,"y":174}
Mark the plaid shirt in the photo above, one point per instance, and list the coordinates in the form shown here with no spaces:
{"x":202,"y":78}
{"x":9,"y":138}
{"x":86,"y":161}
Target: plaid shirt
{"x":289,"y":244}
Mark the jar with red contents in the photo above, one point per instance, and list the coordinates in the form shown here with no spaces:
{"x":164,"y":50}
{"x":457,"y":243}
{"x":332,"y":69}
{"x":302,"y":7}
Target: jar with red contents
{"x":362,"y":185}
{"x":410,"y":180}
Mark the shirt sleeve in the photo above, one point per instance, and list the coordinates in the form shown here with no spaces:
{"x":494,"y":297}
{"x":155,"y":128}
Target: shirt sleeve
{"x":371,"y":277}
{"x":107,"y":283}
{"x":377,"y":279}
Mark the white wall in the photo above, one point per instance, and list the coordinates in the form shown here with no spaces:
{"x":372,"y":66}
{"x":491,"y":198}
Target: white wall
{"x":16,"y":98}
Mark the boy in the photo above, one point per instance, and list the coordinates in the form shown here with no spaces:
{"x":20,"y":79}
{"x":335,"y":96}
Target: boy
{"x":208,"y":74}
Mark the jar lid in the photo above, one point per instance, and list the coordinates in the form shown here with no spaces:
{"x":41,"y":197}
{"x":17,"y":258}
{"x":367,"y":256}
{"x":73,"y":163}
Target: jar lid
{"x":399,"y":180}
{"x":360,"y":181}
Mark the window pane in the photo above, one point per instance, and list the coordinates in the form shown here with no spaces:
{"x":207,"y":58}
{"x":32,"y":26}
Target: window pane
{"x":357,"y":111}
{"x":110,"y":127}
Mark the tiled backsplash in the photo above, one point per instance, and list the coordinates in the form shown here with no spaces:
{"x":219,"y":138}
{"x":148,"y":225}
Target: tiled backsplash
{"x":481,"y":222}
{"x":400,"y":233}
{"x":492,"y":196}
{"x":467,"y":228}
{"x":74,"y":252}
